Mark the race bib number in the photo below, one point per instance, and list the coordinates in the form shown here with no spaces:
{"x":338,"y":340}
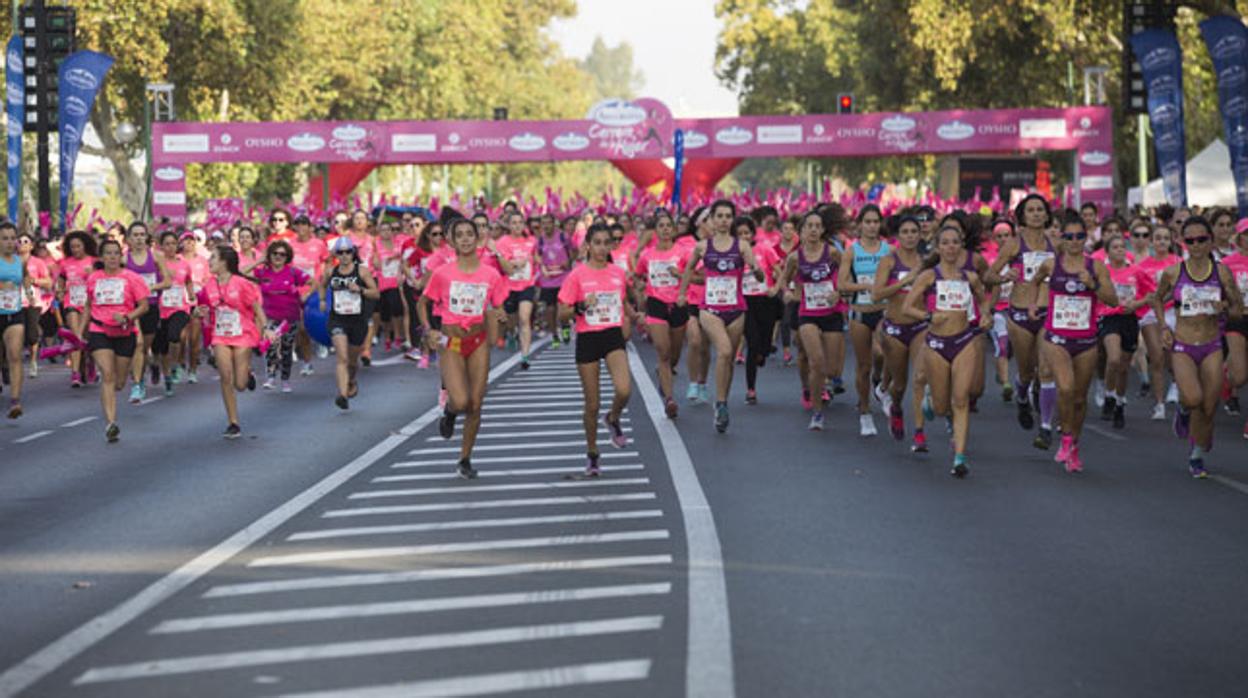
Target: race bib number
{"x":1200,"y":300}
{"x":228,"y":323}
{"x":172,"y":297}
{"x":818,"y":295}
{"x":1126,"y":292}
{"x":78,"y":295}
{"x":606,"y":311}
{"x":662,"y":274}
{"x":521,"y":269}
{"x":390,"y":268}
{"x":1032,"y":262}
{"x":110,"y":292}
{"x":149,"y":279}
{"x":721,"y":290}
{"x":11,"y":300}
{"x":347,"y":303}
{"x":953,"y":295}
{"x":864,"y":297}
{"x":467,"y":299}
{"x":1007,"y":288}
{"x":751,"y":286}
{"x":1071,"y":312}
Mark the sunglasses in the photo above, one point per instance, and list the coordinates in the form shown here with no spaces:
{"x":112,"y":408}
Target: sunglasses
{"x":1197,"y":240}
{"x":345,"y":252}
{"x":436,"y":235}
{"x":1074,"y":236}
{"x":278,"y":254}
{"x":279,"y":219}
{"x":1142,"y":234}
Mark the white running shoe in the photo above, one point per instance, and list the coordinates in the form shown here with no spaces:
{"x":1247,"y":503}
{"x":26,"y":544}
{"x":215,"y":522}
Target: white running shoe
{"x":866,"y":425}
{"x":1159,"y":412}
{"x":307,"y":369}
{"x":322,"y":351}
{"x":1099,"y":393}
{"x":1172,"y":395}
{"x":269,"y":384}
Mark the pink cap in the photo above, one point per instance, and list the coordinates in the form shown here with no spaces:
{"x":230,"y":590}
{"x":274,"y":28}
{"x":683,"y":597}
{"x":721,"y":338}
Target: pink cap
{"x":1242,"y":225}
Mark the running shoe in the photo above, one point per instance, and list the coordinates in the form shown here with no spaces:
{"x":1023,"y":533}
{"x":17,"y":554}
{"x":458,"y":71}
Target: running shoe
{"x":1172,"y":394}
{"x":192,"y":377}
{"x":838,"y":386}
{"x":1232,"y":406}
{"x":112,"y":433}
{"x":751,"y":397}
{"x":896,"y":422}
{"x":1074,"y":464}
{"x":949,"y":425}
{"x":366,"y":360}
{"x":816,"y":421}
{"x":168,"y":386}
{"x":1007,"y":393}
{"x":322,"y":351}
{"x":34,"y":367}
{"x":721,"y":417}
{"x":93,"y":375}
{"x":443,"y":397}
{"x":704,"y":393}
{"x":1145,"y":389}
{"x":524,"y":362}
{"x":287,"y":387}
{"x":826,"y":396}
{"x":567,"y":335}
{"x":251,"y":381}
{"x":740,"y":358}
{"x":1025,"y":418}
{"x":446,"y":425}
{"x":269,"y":383}
{"x":307,"y":369}
{"x":1044,"y":439}
{"x":555,"y":343}
{"x":959,"y":469}
{"x":1196,"y":466}
{"x":1063,"y":451}
{"x":669,"y":406}
{"x":1107,"y":408}
{"x":413,"y":355}
{"x":1182,"y":419}
{"x":15,"y":408}
{"x":424,"y":362}
{"x":618,"y":439}
{"x":179,"y":374}
{"x":807,"y":404}
{"x":1159,"y":412}
{"x":232,"y":432}
{"x":511,"y":344}
{"x":866,"y":425}
{"x":389,"y":345}
{"x":465,"y":470}
{"x":342,"y":402}
{"x":788,"y":356}
{"x":75,"y":380}
{"x":692,"y":394}
{"x":138,"y":393}
{"x":920,"y":442}
{"x":1098,"y":393}
{"x":929,"y":413}
{"x":591,"y":465}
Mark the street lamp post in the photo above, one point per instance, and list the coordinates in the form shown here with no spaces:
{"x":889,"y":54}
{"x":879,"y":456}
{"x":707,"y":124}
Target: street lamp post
{"x":157,"y":107}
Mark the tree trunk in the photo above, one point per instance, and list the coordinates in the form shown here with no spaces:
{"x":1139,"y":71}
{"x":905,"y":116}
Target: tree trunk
{"x":131,"y":184}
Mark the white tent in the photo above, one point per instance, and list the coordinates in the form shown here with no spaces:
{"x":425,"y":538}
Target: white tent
{"x":1209,"y":181}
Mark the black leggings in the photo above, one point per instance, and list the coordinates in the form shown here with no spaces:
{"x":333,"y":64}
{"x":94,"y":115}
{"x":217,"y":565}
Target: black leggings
{"x":788,"y":322}
{"x":281,"y":353}
{"x":760,"y":319}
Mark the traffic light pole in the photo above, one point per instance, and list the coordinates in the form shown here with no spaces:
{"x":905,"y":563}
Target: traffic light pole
{"x":41,"y":133}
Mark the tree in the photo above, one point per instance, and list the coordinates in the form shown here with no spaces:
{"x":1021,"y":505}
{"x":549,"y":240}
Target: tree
{"x":612,"y":70}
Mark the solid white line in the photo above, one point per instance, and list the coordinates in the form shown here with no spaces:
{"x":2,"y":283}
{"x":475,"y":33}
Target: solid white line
{"x":518,"y":472}
{"x":475,"y":523}
{"x":488,"y":504}
{"x":503,"y":682}
{"x":491,"y":407}
{"x":490,"y":424}
{"x":530,"y":397}
{"x":708,"y":666}
{"x":369,"y":648}
{"x":1231,"y":483}
{"x":150,"y":400}
{"x":512,"y":459}
{"x":32,"y":437}
{"x":570,"y":443}
{"x":528,"y":434}
{"x":542,"y":413}
{"x":396,"y":608}
{"x":391,"y":361}
{"x":1103,"y":432}
{"x":38,"y":665}
{"x":513,"y":487}
{"x":77,"y":422}
{"x":433,"y":574}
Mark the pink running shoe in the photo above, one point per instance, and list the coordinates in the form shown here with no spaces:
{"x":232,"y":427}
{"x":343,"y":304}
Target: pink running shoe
{"x":920,"y":443}
{"x":806,"y":403}
{"x":442,"y":398}
{"x":1073,"y":463}
{"x":423,"y":362}
{"x":1063,"y":453}
{"x":896,"y":423}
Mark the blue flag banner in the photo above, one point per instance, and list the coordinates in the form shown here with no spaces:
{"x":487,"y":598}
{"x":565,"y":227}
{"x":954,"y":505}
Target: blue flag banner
{"x":679,"y":152}
{"x":1227,"y":41}
{"x":15,"y":108}
{"x":1161,"y":62}
{"x":79,"y":80}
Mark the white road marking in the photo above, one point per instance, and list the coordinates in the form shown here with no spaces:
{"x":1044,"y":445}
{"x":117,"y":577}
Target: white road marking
{"x":466,"y":547}
{"x":369,"y":648}
{"x":150,"y":400}
{"x":1231,"y":483}
{"x":46,"y":660}
{"x":491,"y":424}
{"x":512,"y":487}
{"x":397,"y":608}
{"x":571,"y":443}
{"x":32,"y":437}
{"x":489,"y":406}
{"x":433,"y":575}
{"x":1103,"y":432}
{"x":78,"y":422}
{"x":549,"y":413}
{"x":708,"y":662}
{"x":511,"y":459}
{"x":493,"y":397}
{"x":323,"y":534}
{"x":529,"y":434}
{"x":488,"y":504}
{"x":504,"y":682}
{"x":488,"y":474}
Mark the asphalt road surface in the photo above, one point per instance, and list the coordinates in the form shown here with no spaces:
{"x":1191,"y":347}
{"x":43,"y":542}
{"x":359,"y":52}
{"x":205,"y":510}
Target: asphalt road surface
{"x":332,"y":553}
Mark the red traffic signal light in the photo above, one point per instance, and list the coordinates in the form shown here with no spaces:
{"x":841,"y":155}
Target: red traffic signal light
{"x":845,"y":104}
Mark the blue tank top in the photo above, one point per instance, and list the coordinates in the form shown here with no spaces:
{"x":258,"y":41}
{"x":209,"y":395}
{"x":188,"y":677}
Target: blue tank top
{"x":11,"y":272}
{"x":864,"y":266}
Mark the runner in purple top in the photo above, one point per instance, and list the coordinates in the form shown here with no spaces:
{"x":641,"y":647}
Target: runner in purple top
{"x":1077,"y":286}
{"x":1204,"y":293}
{"x":142,"y":260}
{"x":902,"y":338}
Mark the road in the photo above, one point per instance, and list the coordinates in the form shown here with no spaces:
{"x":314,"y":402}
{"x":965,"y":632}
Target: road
{"x":335,"y":554}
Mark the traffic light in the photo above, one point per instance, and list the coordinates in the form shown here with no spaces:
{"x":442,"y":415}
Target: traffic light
{"x":845,"y":103}
{"x":1139,"y":15}
{"x":500,"y":113}
{"x":48,"y":39}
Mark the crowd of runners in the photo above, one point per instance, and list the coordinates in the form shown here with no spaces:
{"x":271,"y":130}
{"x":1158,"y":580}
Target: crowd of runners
{"x":928,"y":304}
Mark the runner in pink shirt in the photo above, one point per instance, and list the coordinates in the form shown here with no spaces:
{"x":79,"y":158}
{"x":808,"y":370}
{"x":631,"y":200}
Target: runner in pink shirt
{"x":1160,"y":258}
{"x":38,"y":298}
{"x":762,"y":307}
{"x":698,"y":356}
{"x":659,"y":269}
{"x":470,"y":295}
{"x":1119,"y":328}
{"x":72,"y":291}
{"x":175,"y":311}
{"x":283,"y":290}
{"x":311,"y":254}
{"x":1237,"y":330}
{"x":199,"y":276}
{"x":387,"y":268}
{"x":116,"y":299}
{"x":596,"y":293}
{"x":249,"y":254}
{"x":233,"y":303}
{"x":517,"y":256}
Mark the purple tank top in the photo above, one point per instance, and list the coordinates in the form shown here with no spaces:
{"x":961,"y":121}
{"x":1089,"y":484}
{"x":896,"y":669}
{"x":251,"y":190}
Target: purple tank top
{"x":1193,"y":298}
{"x":899,"y":272}
{"x":723,"y":277}
{"x":818,"y":282}
{"x":554,"y":253}
{"x":149,"y":271}
{"x":1072,"y":305}
{"x":1028,"y":260}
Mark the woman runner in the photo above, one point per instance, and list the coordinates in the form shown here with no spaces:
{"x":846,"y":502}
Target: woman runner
{"x":175,"y":310}
{"x":143,"y":260}
{"x":903,"y":338}
{"x":762,"y":307}
{"x":857,"y":276}
{"x":116,"y":299}
{"x":283,"y":289}
{"x":1160,"y":258}
{"x":351,"y":283}
{"x":237,"y":316}
{"x":76,"y":266}
{"x":14,"y":284}
{"x":659,"y":269}
{"x":1119,"y":328}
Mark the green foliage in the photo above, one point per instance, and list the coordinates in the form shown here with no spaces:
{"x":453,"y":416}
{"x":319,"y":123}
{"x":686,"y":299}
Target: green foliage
{"x":611,"y":69}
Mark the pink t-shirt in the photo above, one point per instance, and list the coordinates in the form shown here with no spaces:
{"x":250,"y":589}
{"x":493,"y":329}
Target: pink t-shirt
{"x":199,"y":273}
{"x":310,"y":256}
{"x":521,"y":252}
{"x":387,"y":264}
{"x":233,"y":312}
{"x":623,"y":252}
{"x":114,"y":293}
{"x":767,"y":237}
{"x":1156,"y":267}
{"x":176,"y":298}
{"x":1131,"y":283}
{"x":1102,"y":255}
{"x":1237,"y":264}
{"x":75,"y":273}
{"x":767,"y":258}
{"x":607,"y":288}
{"x":461,"y":297}
{"x":280,"y":292}
{"x":662,"y":270}
{"x":38,"y":269}
{"x":246,"y":260}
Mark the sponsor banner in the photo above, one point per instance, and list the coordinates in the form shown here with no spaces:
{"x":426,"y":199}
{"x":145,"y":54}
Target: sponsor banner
{"x":1161,"y":61}
{"x":678,"y":149}
{"x":1227,"y":41}
{"x":223,"y":212}
{"x":79,"y":79}
{"x":15,"y":109}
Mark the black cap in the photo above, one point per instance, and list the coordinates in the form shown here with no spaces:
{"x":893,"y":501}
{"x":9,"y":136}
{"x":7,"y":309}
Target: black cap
{"x":302,"y":219}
